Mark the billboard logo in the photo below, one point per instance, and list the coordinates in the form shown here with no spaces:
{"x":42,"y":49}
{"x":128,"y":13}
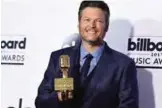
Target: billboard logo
{"x":146,"y":51}
{"x":13,"y":44}
{"x":13,"y":49}
{"x":144,"y":44}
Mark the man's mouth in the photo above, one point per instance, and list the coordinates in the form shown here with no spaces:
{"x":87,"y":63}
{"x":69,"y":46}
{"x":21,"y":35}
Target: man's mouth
{"x":91,"y":31}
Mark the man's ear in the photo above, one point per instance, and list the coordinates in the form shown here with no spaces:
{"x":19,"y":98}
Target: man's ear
{"x":107,"y":27}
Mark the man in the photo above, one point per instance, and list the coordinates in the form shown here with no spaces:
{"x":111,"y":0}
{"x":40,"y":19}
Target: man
{"x":103,"y":77}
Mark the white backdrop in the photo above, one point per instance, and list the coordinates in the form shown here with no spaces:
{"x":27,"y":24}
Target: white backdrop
{"x":47,"y":23}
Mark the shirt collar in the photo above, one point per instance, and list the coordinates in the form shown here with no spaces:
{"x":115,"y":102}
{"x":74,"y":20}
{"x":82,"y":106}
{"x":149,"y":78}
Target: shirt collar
{"x":96,"y":54}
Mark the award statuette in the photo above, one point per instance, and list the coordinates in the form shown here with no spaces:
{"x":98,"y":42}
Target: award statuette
{"x":65,"y":84}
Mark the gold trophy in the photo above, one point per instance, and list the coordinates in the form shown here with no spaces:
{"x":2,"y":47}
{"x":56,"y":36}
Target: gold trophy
{"x":65,"y":85}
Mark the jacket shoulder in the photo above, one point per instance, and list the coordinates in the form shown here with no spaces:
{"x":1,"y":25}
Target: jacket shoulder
{"x":121,"y":58}
{"x":59,"y":52}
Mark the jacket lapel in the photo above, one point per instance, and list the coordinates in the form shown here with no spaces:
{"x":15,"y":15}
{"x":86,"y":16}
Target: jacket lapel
{"x":75,"y":65}
{"x":100,"y":73}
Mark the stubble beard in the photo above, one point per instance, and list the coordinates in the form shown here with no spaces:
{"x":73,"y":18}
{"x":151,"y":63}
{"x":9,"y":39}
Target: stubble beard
{"x":97,"y":42}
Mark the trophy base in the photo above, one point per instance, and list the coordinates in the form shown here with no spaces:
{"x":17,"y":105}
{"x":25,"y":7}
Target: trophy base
{"x":64,"y":84}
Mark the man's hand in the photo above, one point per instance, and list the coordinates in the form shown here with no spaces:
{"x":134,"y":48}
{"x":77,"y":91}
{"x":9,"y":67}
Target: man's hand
{"x":62,"y":95}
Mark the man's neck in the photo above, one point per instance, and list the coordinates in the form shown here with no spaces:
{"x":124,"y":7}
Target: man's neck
{"x":89,"y":47}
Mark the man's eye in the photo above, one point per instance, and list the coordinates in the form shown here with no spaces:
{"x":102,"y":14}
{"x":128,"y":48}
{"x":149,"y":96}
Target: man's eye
{"x":100,"y":21}
{"x":87,"y":20}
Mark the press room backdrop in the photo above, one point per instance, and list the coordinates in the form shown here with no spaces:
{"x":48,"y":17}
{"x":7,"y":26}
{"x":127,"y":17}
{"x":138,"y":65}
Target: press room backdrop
{"x":32,"y":29}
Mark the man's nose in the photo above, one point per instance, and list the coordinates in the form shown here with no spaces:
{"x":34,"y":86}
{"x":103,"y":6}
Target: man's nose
{"x":92,"y":24}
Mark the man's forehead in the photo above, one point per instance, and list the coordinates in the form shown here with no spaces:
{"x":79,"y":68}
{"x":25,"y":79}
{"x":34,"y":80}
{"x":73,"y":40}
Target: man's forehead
{"x":92,"y":12}
{"x":92,"y":9}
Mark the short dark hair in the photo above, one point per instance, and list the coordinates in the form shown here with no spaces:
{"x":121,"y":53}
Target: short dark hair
{"x":96,"y":4}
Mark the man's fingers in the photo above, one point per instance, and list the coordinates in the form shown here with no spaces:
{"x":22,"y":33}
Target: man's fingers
{"x":70,"y":96}
{"x":64,"y":95}
{"x":59,"y":96}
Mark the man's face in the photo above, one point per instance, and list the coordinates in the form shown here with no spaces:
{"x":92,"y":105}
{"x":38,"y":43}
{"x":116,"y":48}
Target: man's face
{"x":92,"y":25}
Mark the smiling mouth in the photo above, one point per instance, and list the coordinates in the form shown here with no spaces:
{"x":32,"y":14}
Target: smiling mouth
{"x":91,"y":32}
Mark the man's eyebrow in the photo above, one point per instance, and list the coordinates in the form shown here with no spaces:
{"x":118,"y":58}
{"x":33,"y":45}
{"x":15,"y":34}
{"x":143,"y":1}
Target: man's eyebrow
{"x":90,"y":18}
{"x":85,"y":17}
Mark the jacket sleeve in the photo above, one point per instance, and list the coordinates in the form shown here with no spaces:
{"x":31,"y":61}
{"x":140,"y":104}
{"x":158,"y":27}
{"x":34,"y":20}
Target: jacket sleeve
{"x":47,"y":97}
{"x":128,"y":92}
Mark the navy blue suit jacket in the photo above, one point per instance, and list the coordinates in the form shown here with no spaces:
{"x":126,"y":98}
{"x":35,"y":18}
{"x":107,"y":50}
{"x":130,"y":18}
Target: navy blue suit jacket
{"x":113,"y":84}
